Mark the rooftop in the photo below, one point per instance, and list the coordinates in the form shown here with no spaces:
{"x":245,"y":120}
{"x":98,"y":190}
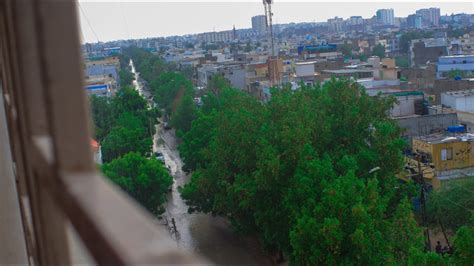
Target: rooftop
{"x":443,"y":138}
{"x":463,"y":93}
{"x":347,"y":71}
{"x":457,"y":56}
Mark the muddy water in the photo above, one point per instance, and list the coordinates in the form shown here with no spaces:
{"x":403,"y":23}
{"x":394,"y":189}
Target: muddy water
{"x":208,"y":236}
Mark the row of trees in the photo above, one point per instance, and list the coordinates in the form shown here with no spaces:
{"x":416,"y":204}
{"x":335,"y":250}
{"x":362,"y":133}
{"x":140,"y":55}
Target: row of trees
{"x":298,"y":172}
{"x":173,"y":91}
{"x":124,"y":127}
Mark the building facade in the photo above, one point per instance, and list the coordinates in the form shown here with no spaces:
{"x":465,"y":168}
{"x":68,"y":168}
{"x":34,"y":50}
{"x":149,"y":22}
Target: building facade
{"x":430,"y":16}
{"x":385,"y":16}
{"x":462,"y":63}
{"x":259,"y":24}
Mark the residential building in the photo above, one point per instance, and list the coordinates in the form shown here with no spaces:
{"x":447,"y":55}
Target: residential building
{"x":259,"y":24}
{"x":97,"y":150}
{"x":99,"y":90}
{"x":355,"y":20}
{"x":459,"y":100}
{"x":235,"y":73}
{"x":415,"y":21}
{"x":445,"y":156}
{"x":385,"y":16}
{"x":335,"y":24}
{"x":424,"y":51}
{"x":408,"y":103}
{"x":462,"y":63}
{"x":213,"y":37}
{"x":275,"y":70}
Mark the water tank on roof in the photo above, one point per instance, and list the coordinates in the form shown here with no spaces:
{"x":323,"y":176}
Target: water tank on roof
{"x":456,"y":129}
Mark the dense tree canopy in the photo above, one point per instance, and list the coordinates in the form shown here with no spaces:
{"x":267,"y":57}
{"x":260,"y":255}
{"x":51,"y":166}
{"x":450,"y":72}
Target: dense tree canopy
{"x":379,"y":50}
{"x":129,"y":134}
{"x":146,"y":180}
{"x":451,"y":203}
{"x":296,"y":171}
{"x":102,"y":115}
{"x":126,"y":77}
{"x":169,"y":88}
{"x":464,"y":244}
{"x":185,"y":113}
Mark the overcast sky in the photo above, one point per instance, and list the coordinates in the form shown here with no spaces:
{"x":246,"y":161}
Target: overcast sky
{"x":107,"y":20}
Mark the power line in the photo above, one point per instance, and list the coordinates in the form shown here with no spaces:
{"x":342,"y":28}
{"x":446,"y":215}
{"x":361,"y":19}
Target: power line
{"x":124,"y":20}
{"x":459,"y":205}
{"x":88,"y":22}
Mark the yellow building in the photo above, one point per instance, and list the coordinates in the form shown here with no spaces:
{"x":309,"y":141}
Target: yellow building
{"x":388,"y":69}
{"x":447,"y":157}
{"x":104,"y":61}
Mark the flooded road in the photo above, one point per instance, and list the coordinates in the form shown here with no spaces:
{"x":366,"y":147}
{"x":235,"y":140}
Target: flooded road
{"x":208,"y":236}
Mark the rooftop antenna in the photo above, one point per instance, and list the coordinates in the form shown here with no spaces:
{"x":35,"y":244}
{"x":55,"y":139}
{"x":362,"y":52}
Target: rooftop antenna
{"x":267,"y":4}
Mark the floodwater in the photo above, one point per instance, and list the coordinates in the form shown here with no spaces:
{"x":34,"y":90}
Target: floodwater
{"x":203,"y":234}
{"x":208,"y":236}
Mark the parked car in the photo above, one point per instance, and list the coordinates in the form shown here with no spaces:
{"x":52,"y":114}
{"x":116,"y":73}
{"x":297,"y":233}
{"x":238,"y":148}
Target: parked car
{"x":159,"y":156}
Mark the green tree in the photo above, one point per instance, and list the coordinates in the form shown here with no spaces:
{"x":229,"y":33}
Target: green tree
{"x":276,"y":170}
{"x":448,"y":204}
{"x":128,"y":100}
{"x":378,"y":50}
{"x":126,"y":77}
{"x":144,"y":179}
{"x":464,"y":244}
{"x":184,"y":115}
{"x":128,"y":134}
{"x":169,"y":88}
{"x":102,"y":115}
{"x":217,"y":84}
{"x":402,"y":61}
{"x":345,"y":49}
{"x":195,"y":142}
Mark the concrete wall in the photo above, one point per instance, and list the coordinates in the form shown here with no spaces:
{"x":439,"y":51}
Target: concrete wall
{"x":441,"y":86}
{"x":464,"y":103}
{"x":426,"y":124}
{"x":405,"y":105}
{"x":237,"y":78}
{"x":304,"y":70}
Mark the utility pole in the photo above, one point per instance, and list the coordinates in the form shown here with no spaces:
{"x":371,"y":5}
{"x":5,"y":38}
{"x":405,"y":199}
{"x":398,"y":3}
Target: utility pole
{"x":267,"y":4}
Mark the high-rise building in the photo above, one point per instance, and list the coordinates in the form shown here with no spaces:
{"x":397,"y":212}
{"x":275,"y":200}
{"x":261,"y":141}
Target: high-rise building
{"x":355,"y":20}
{"x":259,"y":24}
{"x":335,"y":24}
{"x":414,"y":21}
{"x":430,"y":16}
{"x":386,"y":16}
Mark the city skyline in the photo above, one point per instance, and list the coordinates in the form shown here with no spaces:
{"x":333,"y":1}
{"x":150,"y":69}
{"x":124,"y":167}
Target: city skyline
{"x":109,"y":20}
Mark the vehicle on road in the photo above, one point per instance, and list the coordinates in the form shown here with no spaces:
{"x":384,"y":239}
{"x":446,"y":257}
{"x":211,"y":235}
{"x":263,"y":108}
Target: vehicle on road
{"x":159,"y":156}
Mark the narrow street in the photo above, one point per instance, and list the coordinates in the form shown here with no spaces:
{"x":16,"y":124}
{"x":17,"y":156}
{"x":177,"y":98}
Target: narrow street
{"x":211,"y":237}
{"x":203,"y":234}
